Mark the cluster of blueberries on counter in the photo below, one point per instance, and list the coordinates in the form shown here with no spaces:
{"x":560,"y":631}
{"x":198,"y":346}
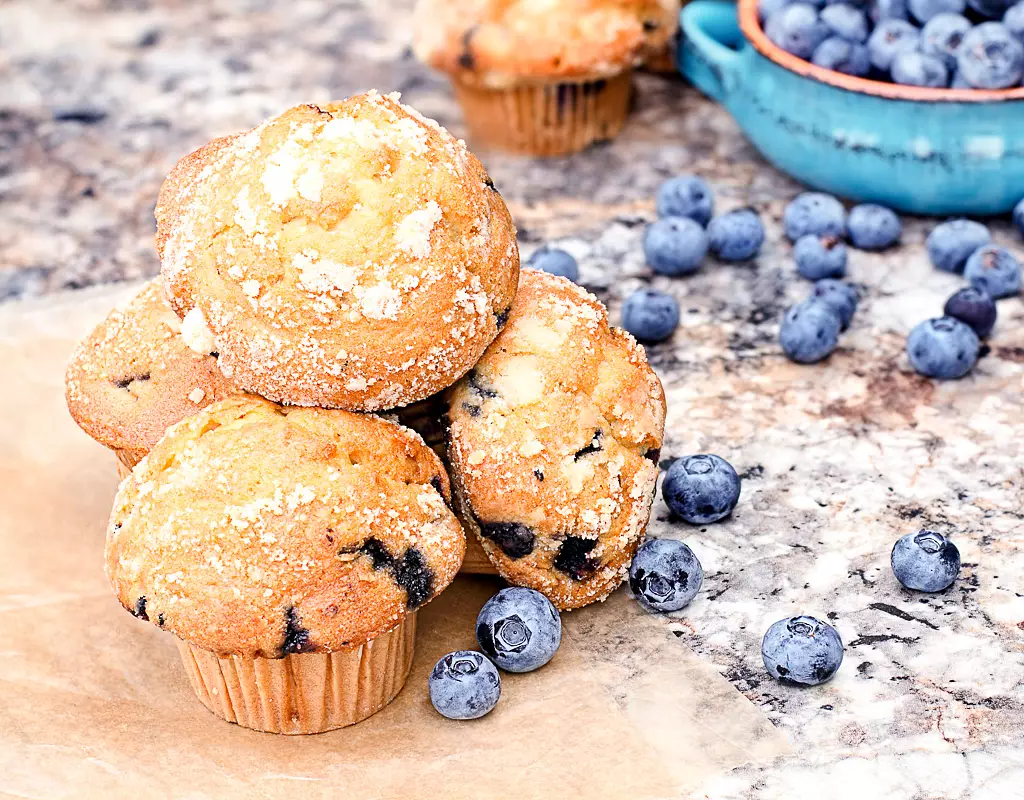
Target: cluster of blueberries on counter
{"x":963,"y":44}
{"x":519,"y":630}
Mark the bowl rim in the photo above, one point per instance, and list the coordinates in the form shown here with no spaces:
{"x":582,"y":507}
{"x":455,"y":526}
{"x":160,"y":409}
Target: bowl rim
{"x":751,"y":28}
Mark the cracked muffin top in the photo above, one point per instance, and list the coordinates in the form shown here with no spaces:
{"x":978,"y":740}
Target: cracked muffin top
{"x":554,"y":441}
{"x":259,"y":530}
{"x":498,"y":43}
{"x":353,"y":256}
{"x":134,"y":376}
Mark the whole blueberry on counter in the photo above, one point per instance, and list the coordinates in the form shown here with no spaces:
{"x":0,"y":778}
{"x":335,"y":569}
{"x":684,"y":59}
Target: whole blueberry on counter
{"x":814,"y":213}
{"x":819,"y":257}
{"x":943,"y":35}
{"x":736,"y":235}
{"x":665,"y":575}
{"x":555,"y":262}
{"x":951,"y":243}
{"x":943,"y":348}
{"x":873,"y":227}
{"x":809,"y":332}
{"x":840,"y":55}
{"x":994,"y":270}
{"x":840,"y":297}
{"x":650,"y":315}
{"x":973,"y":307}
{"x":890,"y":38}
{"x":925,"y":10}
{"x":519,"y":629}
{"x":1018,"y":216}
{"x":675,"y":245}
{"x":701,"y":489}
{"x":1013,"y":19}
{"x":464,"y":685}
{"x":990,"y":57}
{"x":925,"y":561}
{"x":802,"y":650}
{"x":846,"y":22}
{"x":918,"y":69}
{"x":797,"y":29}
{"x":686,"y":196}
{"x":880,"y":10}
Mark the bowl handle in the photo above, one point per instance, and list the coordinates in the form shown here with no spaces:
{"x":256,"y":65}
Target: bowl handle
{"x":706,"y":56}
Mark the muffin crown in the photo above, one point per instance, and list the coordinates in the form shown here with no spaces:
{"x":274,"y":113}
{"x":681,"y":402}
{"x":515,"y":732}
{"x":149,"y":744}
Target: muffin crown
{"x":353,"y":255}
{"x":257,"y":530}
{"x":500,"y":43}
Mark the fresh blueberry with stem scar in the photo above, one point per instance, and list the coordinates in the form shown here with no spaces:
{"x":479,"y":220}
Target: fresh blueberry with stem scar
{"x":973,"y":307}
{"x":873,"y":227}
{"x":994,"y":270}
{"x":519,"y":629}
{"x":925,"y":561}
{"x":809,"y":332}
{"x":736,"y":235}
{"x":555,"y":262}
{"x":840,"y":297}
{"x":943,"y":348}
{"x":840,"y":55}
{"x":675,"y":246}
{"x":802,"y":651}
{"x":846,"y":21}
{"x":686,"y":196}
{"x":665,"y":575}
{"x":819,"y":257}
{"x":925,"y":10}
{"x":951,"y":243}
{"x":991,"y":57}
{"x":943,"y":35}
{"x":464,"y":685}
{"x":701,"y":489}
{"x":918,"y":69}
{"x":797,"y":28}
{"x":814,"y":213}
{"x":650,"y":315}
{"x":890,"y":38}
{"x":881,"y":10}
{"x":765,"y":8}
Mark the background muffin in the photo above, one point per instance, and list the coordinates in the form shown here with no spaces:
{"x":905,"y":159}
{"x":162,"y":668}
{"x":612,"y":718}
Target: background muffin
{"x":554,"y":443}
{"x":352,"y":256}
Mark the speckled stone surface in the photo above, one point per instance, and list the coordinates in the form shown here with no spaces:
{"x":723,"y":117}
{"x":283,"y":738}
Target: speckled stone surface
{"x":97,"y":101}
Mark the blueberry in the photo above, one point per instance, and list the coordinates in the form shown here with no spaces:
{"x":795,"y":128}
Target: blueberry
{"x":925,"y":561}
{"x":820,"y":257}
{"x":974,"y":307}
{"x":917,"y":69}
{"x":650,"y":315}
{"x":1018,"y":216}
{"x":519,"y":629}
{"x":958,"y":82}
{"x":991,"y":57}
{"x":814,"y":212}
{"x":665,"y":575}
{"x":464,"y":685}
{"x":686,"y":196}
{"x":951,"y":243}
{"x":675,"y":246}
{"x":736,"y":235}
{"x":992,"y":9}
{"x":701,"y":489}
{"x":994,"y":270}
{"x":839,"y":296}
{"x":555,"y":262}
{"x":797,"y":29}
{"x":846,"y":22}
{"x":873,"y":227}
{"x":881,"y":10}
{"x":809,"y":332}
{"x":765,"y":8}
{"x":890,"y":38}
{"x":943,"y":35}
{"x":840,"y":55}
{"x":1013,"y":19}
{"x":802,"y":650}
{"x":943,"y":348}
{"x":924,"y":10}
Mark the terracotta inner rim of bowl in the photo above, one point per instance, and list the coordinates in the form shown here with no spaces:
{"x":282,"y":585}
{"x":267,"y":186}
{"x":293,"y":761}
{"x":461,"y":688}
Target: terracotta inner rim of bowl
{"x":751,"y":28}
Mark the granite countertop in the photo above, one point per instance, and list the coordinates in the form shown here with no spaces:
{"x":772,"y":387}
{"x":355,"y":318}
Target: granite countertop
{"x":98,"y":98}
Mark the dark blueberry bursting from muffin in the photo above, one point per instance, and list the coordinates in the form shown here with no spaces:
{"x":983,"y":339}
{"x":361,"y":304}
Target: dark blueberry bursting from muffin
{"x":296,"y":638}
{"x":475,"y":383}
{"x":653,"y":454}
{"x":413,"y":575}
{"x":140,"y":608}
{"x":501,"y":318}
{"x":466,"y":59}
{"x":439,"y":488}
{"x":539,"y":474}
{"x":573,"y":558}
{"x":514,"y":539}
{"x":489,"y":183}
{"x":593,"y":447}
{"x":378,"y":553}
{"x":472,"y":410}
{"x":128,"y":380}
{"x":160,"y":620}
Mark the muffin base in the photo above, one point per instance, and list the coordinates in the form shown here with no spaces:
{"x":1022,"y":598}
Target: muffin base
{"x":547,"y":119}
{"x":303,"y":692}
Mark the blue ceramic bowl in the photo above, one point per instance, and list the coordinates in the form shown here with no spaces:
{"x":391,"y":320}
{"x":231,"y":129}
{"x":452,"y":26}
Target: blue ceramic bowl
{"x":923,"y":151}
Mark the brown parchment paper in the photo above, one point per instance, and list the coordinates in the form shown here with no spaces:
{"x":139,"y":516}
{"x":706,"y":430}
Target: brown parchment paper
{"x":94,"y":703}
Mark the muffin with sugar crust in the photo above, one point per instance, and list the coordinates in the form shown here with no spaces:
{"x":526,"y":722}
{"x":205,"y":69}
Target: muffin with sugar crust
{"x":542,"y":78}
{"x":288,"y":550}
{"x":350,"y":256}
{"x":554,"y":439}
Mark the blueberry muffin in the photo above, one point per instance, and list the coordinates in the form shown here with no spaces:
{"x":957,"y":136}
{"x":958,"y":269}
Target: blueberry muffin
{"x":135,"y":375}
{"x":351,"y":256}
{"x":542,"y":78}
{"x":554,"y":441}
{"x":287,"y":549}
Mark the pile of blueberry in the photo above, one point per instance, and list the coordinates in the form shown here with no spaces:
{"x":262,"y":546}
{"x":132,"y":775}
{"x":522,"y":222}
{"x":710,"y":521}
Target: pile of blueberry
{"x":963,"y":44}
